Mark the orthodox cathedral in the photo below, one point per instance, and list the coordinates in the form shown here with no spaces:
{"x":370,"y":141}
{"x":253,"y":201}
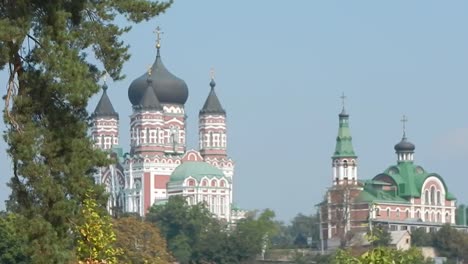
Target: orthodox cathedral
{"x":159,"y":165}
{"x":405,"y":196}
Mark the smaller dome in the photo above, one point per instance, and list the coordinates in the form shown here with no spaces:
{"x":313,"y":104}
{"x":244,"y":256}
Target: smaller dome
{"x":195,"y":169}
{"x":404,"y":146}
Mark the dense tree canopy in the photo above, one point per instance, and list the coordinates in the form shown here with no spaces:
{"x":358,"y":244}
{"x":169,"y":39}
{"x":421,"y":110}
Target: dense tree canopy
{"x":140,"y":241}
{"x":45,"y":46}
{"x":194,"y":235}
{"x":12,"y":249}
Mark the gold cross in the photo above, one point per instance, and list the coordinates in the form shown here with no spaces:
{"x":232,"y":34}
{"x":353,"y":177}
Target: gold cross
{"x":403,"y":121}
{"x":158,"y":33}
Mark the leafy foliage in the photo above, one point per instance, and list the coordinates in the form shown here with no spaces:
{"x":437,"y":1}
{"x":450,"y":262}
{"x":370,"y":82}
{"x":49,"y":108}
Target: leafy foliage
{"x":141,"y":242}
{"x":382,"y":255}
{"x":11,"y":242}
{"x":44,"y":46}
{"x":296,"y":233}
{"x":96,"y":236}
{"x":195,"y":236}
{"x":379,"y":236}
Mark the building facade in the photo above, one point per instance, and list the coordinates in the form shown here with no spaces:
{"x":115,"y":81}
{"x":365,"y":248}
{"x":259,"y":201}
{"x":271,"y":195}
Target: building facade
{"x":403,"y":197}
{"x":158,"y":164}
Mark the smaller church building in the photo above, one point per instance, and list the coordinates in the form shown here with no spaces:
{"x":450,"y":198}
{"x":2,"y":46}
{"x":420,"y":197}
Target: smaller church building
{"x":405,"y":196}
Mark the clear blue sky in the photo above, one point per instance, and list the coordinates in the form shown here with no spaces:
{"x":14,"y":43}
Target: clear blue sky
{"x":280,"y":69}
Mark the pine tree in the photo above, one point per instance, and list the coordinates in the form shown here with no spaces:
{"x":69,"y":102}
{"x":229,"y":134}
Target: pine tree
{"x":45,"y":46}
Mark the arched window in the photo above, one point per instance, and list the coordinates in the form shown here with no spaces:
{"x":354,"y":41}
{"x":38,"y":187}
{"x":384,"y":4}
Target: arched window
{"x":204,"y":183}
{"x":213,"y":183}
{"x":426,"y":217}
{"x":222,"y":184}
{"x":418,"y":214}
{"x":439,"y":218}
{"x":345,"y":166}
{"x":447,"y":217}
{"x":426,"y":197}
{"x":398,"y":212}
{"x":433,"y":201}
{"x":388,"y":212}
{"x":438,"y":198}
{"x":407,"y":213}
{"x":191,"y":183}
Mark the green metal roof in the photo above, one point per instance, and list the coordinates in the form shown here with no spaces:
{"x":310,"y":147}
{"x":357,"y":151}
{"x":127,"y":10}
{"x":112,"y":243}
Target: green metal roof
{"x":409,"y":179}
{"x":344,"y":145}
{"x":195,"y":169}
{"x":372,"y":195}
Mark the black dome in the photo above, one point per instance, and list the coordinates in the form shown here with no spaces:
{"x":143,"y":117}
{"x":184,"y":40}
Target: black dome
{"x":404,"y":146}
{"x":168,"y":88}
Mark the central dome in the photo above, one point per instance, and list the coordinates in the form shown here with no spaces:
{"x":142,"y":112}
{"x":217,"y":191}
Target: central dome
{"x":168,"y":88}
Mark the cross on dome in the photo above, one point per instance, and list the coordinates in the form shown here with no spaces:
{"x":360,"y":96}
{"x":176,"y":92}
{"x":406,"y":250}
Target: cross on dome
{"x":158,"y":33}
{"x":212,"y":73}
{"x":403,"y":120}
{"x":343,"y":100}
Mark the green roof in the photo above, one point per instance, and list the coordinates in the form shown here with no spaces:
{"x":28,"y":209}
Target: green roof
{"x":409,"y":179}
{"x":344,"y":145}
{"x":371,"y":195}
{"x":195,"y":169}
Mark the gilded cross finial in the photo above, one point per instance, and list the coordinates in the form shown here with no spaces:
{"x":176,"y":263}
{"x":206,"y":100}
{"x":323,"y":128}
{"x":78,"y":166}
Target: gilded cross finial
{"x":403,"y":121}
{"x":212,"y":73}
{"x":343,"y":100}
{"x":158,"y":33}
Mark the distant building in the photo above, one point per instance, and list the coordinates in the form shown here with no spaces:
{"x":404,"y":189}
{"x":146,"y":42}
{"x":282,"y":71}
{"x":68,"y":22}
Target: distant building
{"x":403,"y":197}
{"x":158,"y":164}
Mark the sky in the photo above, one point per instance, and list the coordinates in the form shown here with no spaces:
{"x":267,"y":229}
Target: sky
{"x":281,"y":67}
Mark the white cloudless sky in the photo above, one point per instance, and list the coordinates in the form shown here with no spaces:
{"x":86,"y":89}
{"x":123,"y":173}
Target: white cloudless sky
{"x":281,"y":67}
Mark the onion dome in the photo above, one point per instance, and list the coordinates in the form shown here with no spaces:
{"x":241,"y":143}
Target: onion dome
{"x":104,"y":107}
{"x":197,"y":170}
{"x":212,"y":104}
{"x":149,"y":101}
{"x":168,"y":88}
{"x":404,"y":145}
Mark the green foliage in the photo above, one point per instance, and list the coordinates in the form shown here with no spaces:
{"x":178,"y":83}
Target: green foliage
{"x":12,"y":249}
{"x":195,"y":236}
{"x":381,"y":255}
{"x":141,"y":242}
{"x":295,"y":234}
{"x":95,"y":240}
{"x":44,"y":45}
{"x":379,"y":237}
{"x":451,"y":243}
{"x":420,"y":238}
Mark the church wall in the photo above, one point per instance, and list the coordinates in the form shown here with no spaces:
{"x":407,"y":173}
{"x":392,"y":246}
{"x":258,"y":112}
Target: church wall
{"x":146,"y":191}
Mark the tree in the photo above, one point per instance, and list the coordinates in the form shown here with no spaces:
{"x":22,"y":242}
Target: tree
{"x":381,"y":255}
{"x":420,"y":238}
{"x":95,"y":242}
{"x":451,"y":243}
{"x":141,"y":242}
{"x":44,"y":46}
{"x":183,"y":226}
{"x":380,"y":236}
{"x":11,"y":241}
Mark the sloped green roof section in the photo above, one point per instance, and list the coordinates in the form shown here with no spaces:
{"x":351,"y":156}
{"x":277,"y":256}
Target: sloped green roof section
{"x":373,"y":195}
{"x":409,"y":179}
{"x":344,"y":144}
{"x":196,"y":169}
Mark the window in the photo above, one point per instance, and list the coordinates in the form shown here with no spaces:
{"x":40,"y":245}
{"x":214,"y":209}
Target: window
{"x":388,"y":212}
{"x":438,"y":198}
{"x":407,"y":213}
{"x":213,"y":183}
{"x":433,"y":195}
{"x":426,"y":197}
{"x":398,"y":213}
{"x":222,"y":183}
{"x":191,"y":183}
{"x":204,"y":183}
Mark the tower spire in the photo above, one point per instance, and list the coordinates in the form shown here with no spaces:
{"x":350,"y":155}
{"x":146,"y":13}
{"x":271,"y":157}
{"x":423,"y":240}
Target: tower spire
{"x":344,"y":157}
{"x":405,"y":149}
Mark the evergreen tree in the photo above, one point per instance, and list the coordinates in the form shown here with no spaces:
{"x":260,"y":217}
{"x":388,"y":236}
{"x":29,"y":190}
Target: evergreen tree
{"x":44,"y":46}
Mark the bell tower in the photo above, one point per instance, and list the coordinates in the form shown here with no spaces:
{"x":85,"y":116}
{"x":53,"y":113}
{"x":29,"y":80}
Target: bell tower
{"x":344,"y":160}
{"x":105,"y":123}
{"x":212,"y":126}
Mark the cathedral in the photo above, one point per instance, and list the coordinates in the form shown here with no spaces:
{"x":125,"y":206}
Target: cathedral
{"x":158,"y":164}
{"x":405,"y":196}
